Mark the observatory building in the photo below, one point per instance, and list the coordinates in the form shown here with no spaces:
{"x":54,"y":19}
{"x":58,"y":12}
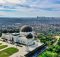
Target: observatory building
{"x":27,"y":34}
{"x":26,"y":37}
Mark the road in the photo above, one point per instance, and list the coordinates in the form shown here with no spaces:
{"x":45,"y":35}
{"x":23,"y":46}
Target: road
{"x":37,"y":51}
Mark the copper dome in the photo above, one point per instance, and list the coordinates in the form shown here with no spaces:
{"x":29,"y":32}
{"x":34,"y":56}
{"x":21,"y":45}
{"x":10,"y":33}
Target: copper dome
{"x":29,"y":36}
{"x":26,"y":29}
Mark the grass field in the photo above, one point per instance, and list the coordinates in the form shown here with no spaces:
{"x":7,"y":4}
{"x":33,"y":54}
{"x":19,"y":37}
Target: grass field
{"x":0,"y":43}
{"x":7,"y":52}
{"x":3,"y":46}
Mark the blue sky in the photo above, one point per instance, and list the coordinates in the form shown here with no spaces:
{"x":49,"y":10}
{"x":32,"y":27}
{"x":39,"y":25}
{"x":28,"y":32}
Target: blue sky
{"x":29,"y":8}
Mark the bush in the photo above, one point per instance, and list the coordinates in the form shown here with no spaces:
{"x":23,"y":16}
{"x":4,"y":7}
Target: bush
{"x":58,"y":42}
{"x":49,"y":54}
{"x":47,"y":39}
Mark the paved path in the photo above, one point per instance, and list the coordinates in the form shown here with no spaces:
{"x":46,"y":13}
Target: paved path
{"x":22,"y":50}
{"x":37,"y":51}
{"x":57,"y":37}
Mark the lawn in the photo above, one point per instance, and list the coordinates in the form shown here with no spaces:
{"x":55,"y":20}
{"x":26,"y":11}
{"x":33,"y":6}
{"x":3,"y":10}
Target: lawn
{"x":0,"y":43}
{"x":3,"y":46}
{"x":7,"y":52}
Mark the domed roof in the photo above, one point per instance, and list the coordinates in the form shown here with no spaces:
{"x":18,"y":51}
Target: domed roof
{"x":26,"y":29}
{"x":29,"y":36}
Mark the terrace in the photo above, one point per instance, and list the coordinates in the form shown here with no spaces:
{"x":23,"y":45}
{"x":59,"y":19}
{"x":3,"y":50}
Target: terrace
{"x":7,"y":50}
{"x":10,"y":50}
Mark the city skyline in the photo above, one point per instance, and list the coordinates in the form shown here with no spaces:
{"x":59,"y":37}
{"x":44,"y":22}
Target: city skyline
{"x":29,"y":8}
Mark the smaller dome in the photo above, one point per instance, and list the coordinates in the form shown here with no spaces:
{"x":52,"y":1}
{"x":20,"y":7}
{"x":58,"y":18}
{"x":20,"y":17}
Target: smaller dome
{"x":29,"y":36}
{"x":26,"y":29}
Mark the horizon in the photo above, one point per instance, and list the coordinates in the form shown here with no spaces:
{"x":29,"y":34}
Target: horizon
{"x":31,"y":17}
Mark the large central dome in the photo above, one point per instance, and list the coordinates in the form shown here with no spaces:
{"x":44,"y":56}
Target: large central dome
{"x":26,"y":29}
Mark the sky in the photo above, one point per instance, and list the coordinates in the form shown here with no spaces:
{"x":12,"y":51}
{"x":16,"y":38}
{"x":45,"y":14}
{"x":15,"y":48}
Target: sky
{"x":29,"y":8}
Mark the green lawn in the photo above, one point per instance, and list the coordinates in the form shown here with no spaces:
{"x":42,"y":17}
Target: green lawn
{"x":7,"y":52}
{"x":3,"y":46}
{"x":0,"y":43}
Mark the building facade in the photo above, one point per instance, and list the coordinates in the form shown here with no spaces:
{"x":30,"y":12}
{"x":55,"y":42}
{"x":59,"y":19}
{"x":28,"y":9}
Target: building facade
{"x":26,"y":37}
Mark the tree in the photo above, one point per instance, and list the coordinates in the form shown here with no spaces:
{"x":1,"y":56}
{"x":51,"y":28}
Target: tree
{"x":49,"y":54}
{"x":57,"y":49}
{"x":58,"y":42}
{"x":47,"y":39}
{"x":0,"y":34}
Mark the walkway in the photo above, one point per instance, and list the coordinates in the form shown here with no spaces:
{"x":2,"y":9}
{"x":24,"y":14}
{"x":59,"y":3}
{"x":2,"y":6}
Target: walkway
{"x":22,"y":50}
{"x":57,"y":37}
